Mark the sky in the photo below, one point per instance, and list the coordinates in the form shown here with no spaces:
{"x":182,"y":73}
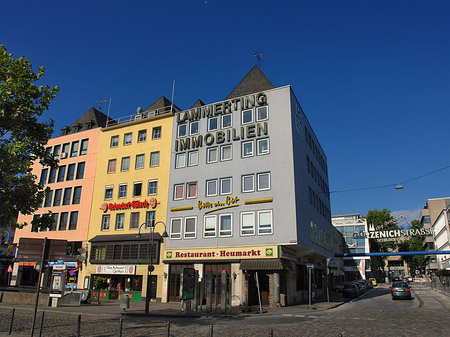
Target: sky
{"x":373,"y":77}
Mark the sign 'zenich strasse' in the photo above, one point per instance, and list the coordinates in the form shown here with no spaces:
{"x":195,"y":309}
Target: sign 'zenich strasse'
{"x":391,"y":235}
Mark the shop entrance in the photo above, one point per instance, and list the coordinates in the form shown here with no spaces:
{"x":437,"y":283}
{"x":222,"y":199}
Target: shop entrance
{"x":264,"y":288}
{"x":175,"y":280}
{"x":111,"y":286}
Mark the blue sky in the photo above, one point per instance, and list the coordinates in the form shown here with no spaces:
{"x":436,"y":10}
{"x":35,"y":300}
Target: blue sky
{"x":372,"y":76}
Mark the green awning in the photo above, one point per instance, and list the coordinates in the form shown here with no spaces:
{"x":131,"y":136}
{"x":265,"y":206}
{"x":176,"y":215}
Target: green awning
{"x":266,"y":264}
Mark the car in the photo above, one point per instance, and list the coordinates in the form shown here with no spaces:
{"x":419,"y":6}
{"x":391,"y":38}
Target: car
{"x":396,"y":279}
{"x":400,"y":290}
{"x":373,"y":280}
{"x":369,"y":284}
{"x":339,"y":287}
{"x":362,"y":283}
{"x":351,"y":290}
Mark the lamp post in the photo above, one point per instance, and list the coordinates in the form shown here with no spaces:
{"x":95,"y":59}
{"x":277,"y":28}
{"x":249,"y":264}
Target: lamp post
{"x":149,"y":271}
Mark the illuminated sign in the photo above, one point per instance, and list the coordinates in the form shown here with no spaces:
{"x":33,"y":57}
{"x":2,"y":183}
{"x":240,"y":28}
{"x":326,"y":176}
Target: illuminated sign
{"x":222,"y":253}
{"x":129,"y":205}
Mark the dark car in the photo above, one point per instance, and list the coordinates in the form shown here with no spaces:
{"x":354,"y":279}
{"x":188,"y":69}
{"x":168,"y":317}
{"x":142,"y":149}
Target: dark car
{"x":351,"y":290}
{"x":400,"y":290}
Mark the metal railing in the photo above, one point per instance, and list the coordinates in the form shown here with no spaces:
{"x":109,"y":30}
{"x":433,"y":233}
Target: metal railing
{"x":138,"y":116}
{"x":440,"y":283}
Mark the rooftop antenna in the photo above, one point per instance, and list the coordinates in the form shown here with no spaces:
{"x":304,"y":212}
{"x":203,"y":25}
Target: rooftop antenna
{"x":173,"y":92}
{"x":259,"y":56}
{"x":100,"y":102}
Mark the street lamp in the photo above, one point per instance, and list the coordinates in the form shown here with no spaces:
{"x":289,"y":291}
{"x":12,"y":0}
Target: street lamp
{"x":149,"y":271}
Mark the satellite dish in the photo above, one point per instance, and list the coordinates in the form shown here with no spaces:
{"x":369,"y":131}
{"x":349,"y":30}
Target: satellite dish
{"x":139,"y":110}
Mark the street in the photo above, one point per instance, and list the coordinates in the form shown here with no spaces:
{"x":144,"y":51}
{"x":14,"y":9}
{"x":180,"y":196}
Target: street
{"x":372,"y":314}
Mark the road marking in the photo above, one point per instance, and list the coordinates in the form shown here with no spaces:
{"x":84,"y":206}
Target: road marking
{"x":313,"y":316}
{"x":289,"y":315}
{"x":299,"y":315}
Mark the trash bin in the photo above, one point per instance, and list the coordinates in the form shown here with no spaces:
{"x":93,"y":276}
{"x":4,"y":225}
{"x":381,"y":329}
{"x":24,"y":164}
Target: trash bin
{"x":124,"y":301}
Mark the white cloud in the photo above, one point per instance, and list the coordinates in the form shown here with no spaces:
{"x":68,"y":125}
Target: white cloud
{"x":408,"y":216}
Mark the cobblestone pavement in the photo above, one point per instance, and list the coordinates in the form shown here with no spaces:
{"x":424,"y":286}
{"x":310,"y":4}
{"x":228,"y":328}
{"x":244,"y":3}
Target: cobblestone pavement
{"x":373,"y":314}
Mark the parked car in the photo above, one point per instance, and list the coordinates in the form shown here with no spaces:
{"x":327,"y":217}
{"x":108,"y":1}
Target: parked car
{"x":351,"y":290}
{"x":400,"y":290}
{"x":373,"y":280}
{"x":363,"y":284}
{"x":396,"y":279}
{"x":369,"y":284}
{"x":339,"y":287}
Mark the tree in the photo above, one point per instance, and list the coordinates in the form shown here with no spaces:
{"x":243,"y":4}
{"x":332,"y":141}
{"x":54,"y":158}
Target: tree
{"x":22,"y":139}
{"x":416,"y":244}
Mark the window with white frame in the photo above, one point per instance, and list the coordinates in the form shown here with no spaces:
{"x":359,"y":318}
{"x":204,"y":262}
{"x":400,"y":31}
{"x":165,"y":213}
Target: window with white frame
{"x":247,"y":149}
{"x":178,"y":192}
{"x":105,"y":222}
{"x":125,"y":165}
{"x":74,"y":149}
{"x":225,"y":224}
{"x":226,"y":152}
{"x":226,"y":121}
{"x":134,"y":220}
{"x":211,"y":155}
{"x":120,"y":220}
{"x":213,"y":124}
{"x":248,"y":183}
{"x":190,"y":225}
{"x":150,"y":217}
{"x":154,"y":159}
{"x":140,"y":160}
{"x":109,"y":192}
{"x":137,"y":189}
{"x":211,"y":187}
{"x":247,"y":116}
{"x":156,"y":132}
{"x":225,"y":186}
{"x":152,"y":187}
{"x":191,"y":189}
{"x":262,"y":146}
{"x":248,"y":223}
{"x":193,"y":158}
{"x":182,"y":130}
{"x":175,"y":228}
{"x":122,"y":191}
{"x":193,"y":128}
{"x":114,"y":141}
{"x":180,"y":160}
{"x":83,"y":147}
{"x":263,"y":181}
{"x":210,"y":224}
{"x":265,"y":222}
{"x":111,"y":165}
{"x":262,"y":113}
{"x":142,"y":136}
{"x":127,"y":138}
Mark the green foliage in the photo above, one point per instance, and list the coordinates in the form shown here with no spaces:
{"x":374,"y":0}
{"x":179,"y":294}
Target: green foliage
{"x":416,"y":244}
{"x":22,"y":138}
{"x":381,"y":220}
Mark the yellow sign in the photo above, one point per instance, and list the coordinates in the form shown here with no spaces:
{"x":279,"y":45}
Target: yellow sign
{"x":223,"y":253}
{"x":215,"y":206}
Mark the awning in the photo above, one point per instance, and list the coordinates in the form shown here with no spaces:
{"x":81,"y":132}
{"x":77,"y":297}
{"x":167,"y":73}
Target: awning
{"x":266,"y":264}
{"x":125,"y":237}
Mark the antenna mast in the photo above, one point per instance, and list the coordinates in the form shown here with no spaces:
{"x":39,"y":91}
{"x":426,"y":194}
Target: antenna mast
{"x":259,"y":57}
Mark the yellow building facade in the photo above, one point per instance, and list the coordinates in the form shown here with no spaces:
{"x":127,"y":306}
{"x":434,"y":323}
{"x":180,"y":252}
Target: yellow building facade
{"x":129,"y":208}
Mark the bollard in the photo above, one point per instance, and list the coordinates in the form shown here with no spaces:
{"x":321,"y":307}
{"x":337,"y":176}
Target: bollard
{"x":270,"y":332}
{"x":79,"y":326}
{"x":168,"y":329}
{"x":12,"y":320}
{"x":211,"y":331}
{"x":42,"y":324}
{"x":121,"y":326}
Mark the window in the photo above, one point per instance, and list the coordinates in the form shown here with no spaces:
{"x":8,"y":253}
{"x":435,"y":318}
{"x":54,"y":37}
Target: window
{"x":67,"y":195}
{"x":122,"y":191}
{"x":34,"y":227}
{"x":105,"y":222}
{"x":56,"y":151}
{"x":182,"y":130}
{"x":109,"y":192}
{"x":247,"y":149}
{"x":57,"y":199}
{"x":210,"y":226}
{"x":55,"y":222}
{"x":80,"y":170}
{"x":225,"y":224}
{"x":120,"y":220}
{"x":211,"y":188}
{"x":65,"y":150}
{"x":73,"y":221}
{"x":48,"y":199}
{"x":265,"y":222}
{"x":84,"y":147}
{"x":226,"y":121}
{"x":142,"y":136}
{"x":190,"y":224}
{"x":61,"y":173}
{"x":247,"y":223}
{"x":225,"y":186}
{"x":154,"y":159}
{"x":52,"y":177}
{"x":127,"y":138}
{"x":263,"y":181}
{"x":191,"y":190}
{"x":114,"y":141}
{"x":175,"y":228}
{"x":262,"y":146}
{"x":225,"y":152}
{"x":112,"y":165}
{"x":247,"y":116}
{"x":193,"y":158}
{"x":262,"y":113}
{"x":152,"y":187}
{"x":63,"y":221}
{"x":76,"y":195}
{"x":43,"y":179}
{"x":156,"y":132}
{"x":150,"y":217}
{"x":134,"y":220}
{"x":140,"y":159}
{"x":137,"y":189}
{"x":70,"y":172}
{"x":248,"y":183}
{"x":193,"y":128}
{"x":178,"y":192}
{"x":180,"y":160}
{"x":125,"y":165}
{"x":213,"y":124}
{"x":74,"y":149}
{"x":211,"y":155}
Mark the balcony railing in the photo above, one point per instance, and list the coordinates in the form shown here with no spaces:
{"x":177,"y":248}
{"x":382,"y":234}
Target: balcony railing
{"x":142,"y":115}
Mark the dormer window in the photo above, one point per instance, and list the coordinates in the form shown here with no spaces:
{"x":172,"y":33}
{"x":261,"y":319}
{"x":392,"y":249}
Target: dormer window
{"x":65,"y":130}
{"x":89,"y":125}
{"x":76,"y":128}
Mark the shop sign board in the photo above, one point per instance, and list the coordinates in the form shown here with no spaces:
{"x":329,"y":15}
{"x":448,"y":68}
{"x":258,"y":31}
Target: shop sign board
{"x":222,"y":253}
{"x":116,"y":269}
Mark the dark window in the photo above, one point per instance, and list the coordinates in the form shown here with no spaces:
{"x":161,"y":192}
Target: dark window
{"x":76,"y":195}
{"x":70,"y":172}
{"x":44,"y":174}
{"x":63,"y":221}
{"x":48,"y":199}
{"x":117,"y":252}
{"x":57,"y":198}
{"x":80,"y":170}
{"x":67,"y":195}
{"x":61,"y":173}
{"x":51,"y":178}
{"x":73,"y":220}
{"x":84,"y":147}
